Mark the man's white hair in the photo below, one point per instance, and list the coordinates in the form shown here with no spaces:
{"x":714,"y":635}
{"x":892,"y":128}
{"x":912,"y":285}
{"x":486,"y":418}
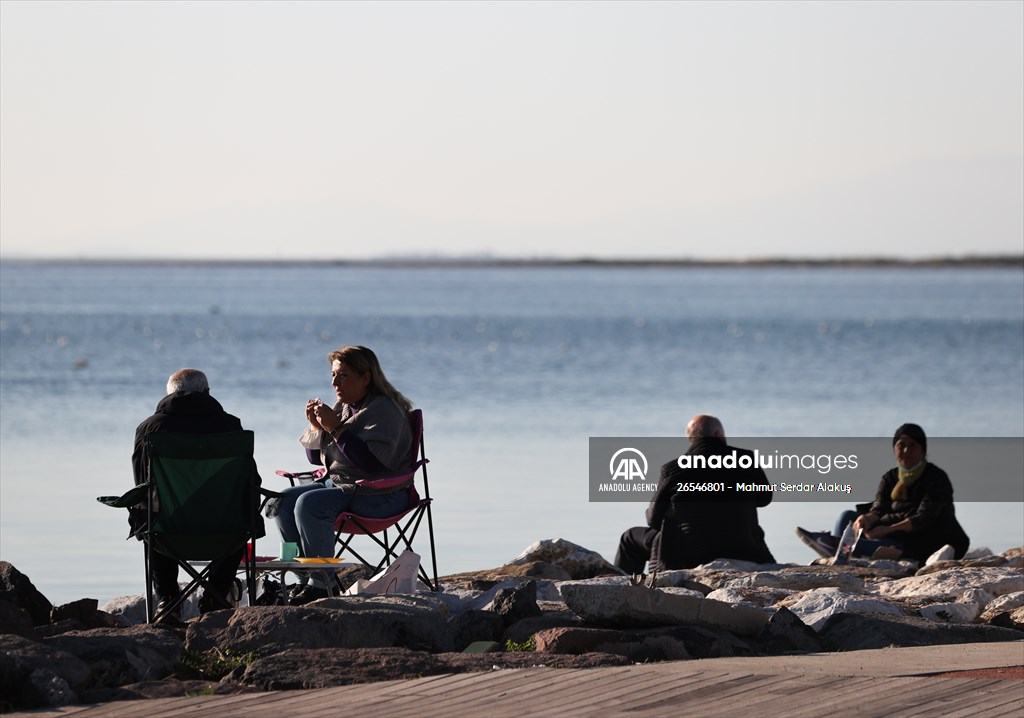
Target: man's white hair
{"x":187,"y":380}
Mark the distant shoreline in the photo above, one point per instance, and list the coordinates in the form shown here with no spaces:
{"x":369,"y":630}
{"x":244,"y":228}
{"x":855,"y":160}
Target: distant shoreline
{"x":995,"y":261}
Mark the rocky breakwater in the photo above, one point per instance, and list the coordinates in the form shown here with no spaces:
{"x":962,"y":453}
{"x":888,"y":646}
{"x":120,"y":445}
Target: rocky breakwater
{"x":557,"y":604}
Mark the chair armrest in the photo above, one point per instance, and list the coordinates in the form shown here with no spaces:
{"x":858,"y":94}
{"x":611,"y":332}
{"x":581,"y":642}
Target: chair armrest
{"x":390,"y":482}
{"x":131,"y":498}
{"x":302,"y":476}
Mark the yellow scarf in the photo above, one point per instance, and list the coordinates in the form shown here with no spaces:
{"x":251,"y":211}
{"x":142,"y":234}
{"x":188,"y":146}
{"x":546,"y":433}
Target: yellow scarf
{"x":906,"y":480}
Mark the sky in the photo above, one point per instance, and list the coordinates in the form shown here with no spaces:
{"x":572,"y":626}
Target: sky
{"x":352,"y":130}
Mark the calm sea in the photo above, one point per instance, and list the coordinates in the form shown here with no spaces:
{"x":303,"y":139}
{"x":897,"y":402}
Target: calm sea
{"x":514,"y":369}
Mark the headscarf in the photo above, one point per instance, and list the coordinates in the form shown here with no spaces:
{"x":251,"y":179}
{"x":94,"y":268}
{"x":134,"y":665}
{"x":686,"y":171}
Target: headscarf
{"x":907,"y":477}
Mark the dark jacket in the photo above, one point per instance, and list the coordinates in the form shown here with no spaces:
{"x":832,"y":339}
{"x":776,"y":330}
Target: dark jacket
{"x":184,"y":412}
{"x":929,"y":506}
{"x":700,"y":526}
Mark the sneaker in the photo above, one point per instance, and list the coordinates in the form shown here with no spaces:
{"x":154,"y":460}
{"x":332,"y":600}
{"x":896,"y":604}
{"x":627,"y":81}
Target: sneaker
{"x":824,"y":543}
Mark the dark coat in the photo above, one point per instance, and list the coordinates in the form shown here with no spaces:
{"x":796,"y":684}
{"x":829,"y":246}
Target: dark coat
{"x":698,"y":527}
{"x":929,"y":506}
{"x":184,"y":412}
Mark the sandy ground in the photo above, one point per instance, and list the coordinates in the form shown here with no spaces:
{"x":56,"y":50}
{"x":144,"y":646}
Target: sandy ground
{"x":1013,"y":673}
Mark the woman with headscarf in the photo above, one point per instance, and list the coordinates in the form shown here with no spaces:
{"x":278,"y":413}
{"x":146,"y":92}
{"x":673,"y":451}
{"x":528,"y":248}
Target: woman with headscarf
{"x":912,"y":512}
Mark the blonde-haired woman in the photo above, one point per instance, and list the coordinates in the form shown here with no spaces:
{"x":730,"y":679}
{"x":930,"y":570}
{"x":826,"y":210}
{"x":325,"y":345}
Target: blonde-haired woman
{"x":365,"y":435}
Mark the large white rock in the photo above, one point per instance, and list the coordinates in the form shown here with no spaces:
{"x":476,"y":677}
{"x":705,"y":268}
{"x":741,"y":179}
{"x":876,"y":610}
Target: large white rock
{"x":815,"y":607}
{"x":735,"y":564}
{"x":951,"y":612}
{"x":1006,"y":602}
{"x":946,"y":553}
{"x":950,"y":585}
{"x":980,"y":552}
{"x":131,"y":610}
{"x":638,"y":606}
{"x":761,"y":598}
{"x":578,"y":561}
{"x":799,"y":580}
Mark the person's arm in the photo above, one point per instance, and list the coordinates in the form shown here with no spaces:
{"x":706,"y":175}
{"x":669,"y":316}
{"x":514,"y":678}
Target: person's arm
{"x":140,"y":459}
{"x":882,"y":530}
{"x":659,"y":504}
{"x":935,"y":492}
{"x":879,"y":513}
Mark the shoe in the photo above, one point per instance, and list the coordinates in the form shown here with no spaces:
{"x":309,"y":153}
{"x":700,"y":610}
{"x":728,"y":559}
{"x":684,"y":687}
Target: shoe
{"x":210,"y":603}
{"x":308,"y":594}
{"x":170,"y":618}
{"x":824,"y":543}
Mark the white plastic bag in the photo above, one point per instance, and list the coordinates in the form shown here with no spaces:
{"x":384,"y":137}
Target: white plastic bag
{"x":399,"y":577}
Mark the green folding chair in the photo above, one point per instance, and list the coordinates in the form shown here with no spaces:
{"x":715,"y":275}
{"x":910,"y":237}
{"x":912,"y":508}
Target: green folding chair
{"x":202,"y":504}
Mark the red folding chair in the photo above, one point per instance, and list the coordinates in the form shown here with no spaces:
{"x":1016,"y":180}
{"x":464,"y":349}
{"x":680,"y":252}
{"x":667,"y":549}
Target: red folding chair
{"x":406,"y":524}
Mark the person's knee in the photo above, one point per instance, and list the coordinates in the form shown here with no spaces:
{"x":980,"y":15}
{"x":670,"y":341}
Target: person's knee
{"x":317,"y":506}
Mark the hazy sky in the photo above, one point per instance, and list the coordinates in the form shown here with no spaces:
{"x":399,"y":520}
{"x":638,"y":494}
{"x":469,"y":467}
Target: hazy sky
{"x":322,"y":129}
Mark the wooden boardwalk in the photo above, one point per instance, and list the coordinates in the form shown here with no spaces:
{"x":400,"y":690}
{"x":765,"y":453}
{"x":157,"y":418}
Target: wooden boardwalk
{"x":864,"y":683}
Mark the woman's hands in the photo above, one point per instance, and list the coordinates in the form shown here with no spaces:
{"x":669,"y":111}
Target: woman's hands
{"x":321,"y":416}
{"x":868,"y":523}
{"x":865,"y":522}
{"x":881,"y":531}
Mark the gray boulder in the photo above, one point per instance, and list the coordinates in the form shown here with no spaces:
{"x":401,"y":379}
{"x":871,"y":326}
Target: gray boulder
{"x":785,"y":633}
{"x":856,"y":631}
{"x":34,"y":675}
{"x":800,"y":579}
{"x":18,"y":589}
{"x":131,"y":610}
{"x":761,"y":597}
{"x":350,"y":622}
{"x":575,"y":560}
{"x":84,"y":611}
{"x":634,"y":646}
{"x":14,"y":619}
{"x":521,"y":631}
{"x":163,"y":689}
{"x":475,"y":625}
{"x":514,"y":603}
{"x":117,"y":656}
{"x":647,"y":644}
{"x":951,"y":585}
{"x":322,"y":668}
{"x":815,"y":607}
{"x":638,"y":606}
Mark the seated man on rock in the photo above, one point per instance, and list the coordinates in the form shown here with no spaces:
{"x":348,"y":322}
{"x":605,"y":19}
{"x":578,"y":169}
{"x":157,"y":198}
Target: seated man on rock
{"x":188,"y":408}
{"x":688,"y":528}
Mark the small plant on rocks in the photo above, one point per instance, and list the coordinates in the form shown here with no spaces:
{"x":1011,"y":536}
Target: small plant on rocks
{"x":527,"y":646}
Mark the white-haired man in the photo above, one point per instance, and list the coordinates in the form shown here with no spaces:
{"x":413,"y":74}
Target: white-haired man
{"x":187,"y":408}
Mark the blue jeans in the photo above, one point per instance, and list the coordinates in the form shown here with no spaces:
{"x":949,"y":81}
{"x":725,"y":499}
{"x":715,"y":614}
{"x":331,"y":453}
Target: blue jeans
{"x":307,"y":512}
{"x":865,"y":547}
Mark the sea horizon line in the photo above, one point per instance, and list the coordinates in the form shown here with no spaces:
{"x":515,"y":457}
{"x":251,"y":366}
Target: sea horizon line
{"x":481,"y":262}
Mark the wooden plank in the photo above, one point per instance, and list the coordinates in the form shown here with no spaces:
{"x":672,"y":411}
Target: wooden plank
{"x":673,"y":689}
{"x":838,"y":692}
{"x":490,"y":689}
{"x":1001,"y":702}
{"x":601,"y":688}
{"x":714,"y":697}
{"x":931,"y":696}
{"x":754,"y":693}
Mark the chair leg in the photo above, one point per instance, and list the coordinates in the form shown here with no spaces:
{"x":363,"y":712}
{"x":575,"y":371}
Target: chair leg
{"x":149,"y":582}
